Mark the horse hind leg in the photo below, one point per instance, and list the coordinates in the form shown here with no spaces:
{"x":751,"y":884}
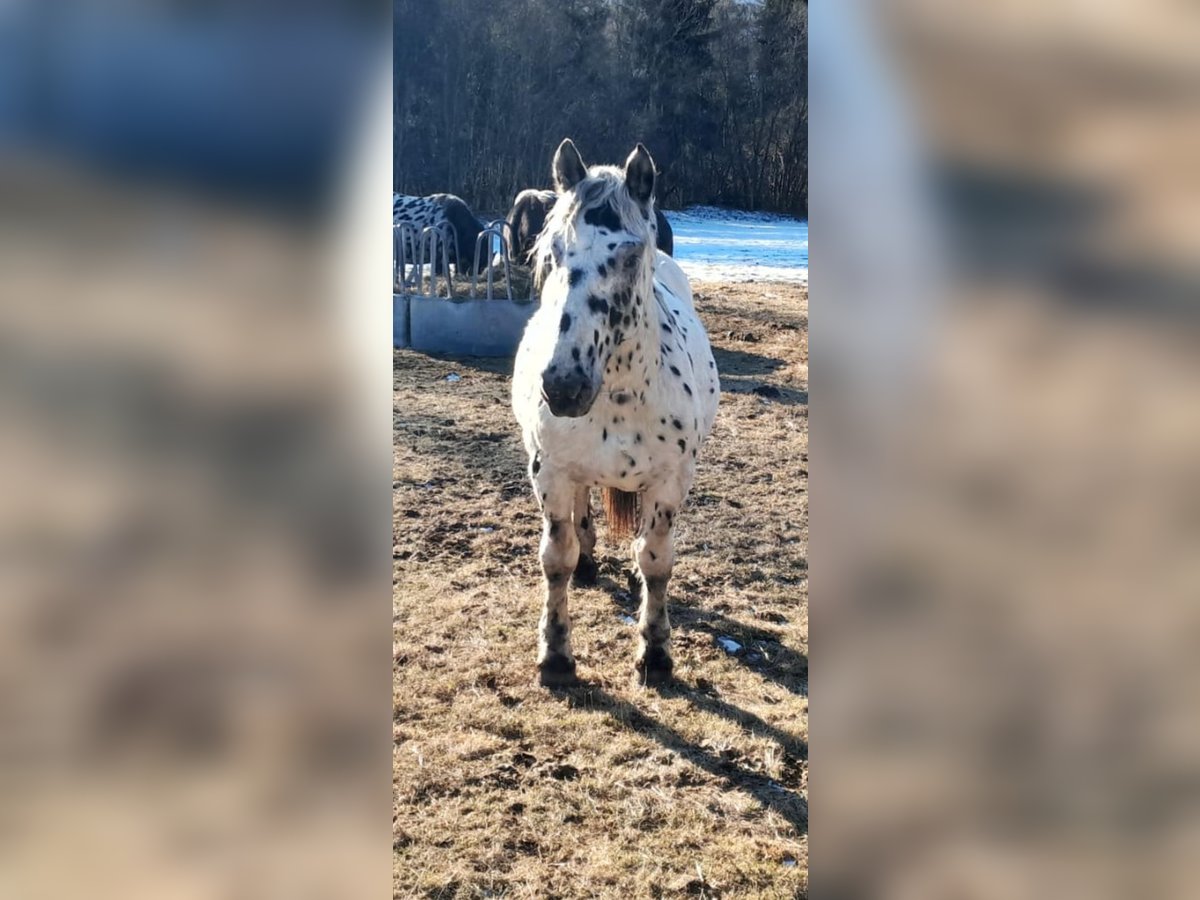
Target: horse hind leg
{"x":655,"y":553}
{"x":559,"y":555}
{"x":585,"y":533}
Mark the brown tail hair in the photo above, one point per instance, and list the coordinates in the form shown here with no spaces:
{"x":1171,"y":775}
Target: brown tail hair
{"x":621,"y":510}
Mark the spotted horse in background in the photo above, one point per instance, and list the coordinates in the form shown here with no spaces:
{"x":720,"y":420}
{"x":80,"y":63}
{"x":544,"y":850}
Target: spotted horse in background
{"x":451,"y":211}
{"x":615,"y":387}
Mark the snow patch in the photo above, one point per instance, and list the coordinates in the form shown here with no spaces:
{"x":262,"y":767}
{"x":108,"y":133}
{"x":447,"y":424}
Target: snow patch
{"x":713,"y":244}
{"x":729,"y":645}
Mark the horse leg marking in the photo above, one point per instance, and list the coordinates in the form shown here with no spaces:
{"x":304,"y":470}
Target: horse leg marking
{"x":585,"y":532}
{"x":655,"y":554}
{"x":559,"y":556}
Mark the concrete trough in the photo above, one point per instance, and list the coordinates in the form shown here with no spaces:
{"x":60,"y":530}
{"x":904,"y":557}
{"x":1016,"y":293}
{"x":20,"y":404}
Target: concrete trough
{"x":467,"y":327}
{"x":400,"y":336}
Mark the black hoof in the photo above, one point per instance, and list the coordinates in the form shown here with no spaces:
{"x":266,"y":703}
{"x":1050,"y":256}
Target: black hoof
{"x":556,"y":670}
{"x":655,"y":666}
{"x":585,"y":571}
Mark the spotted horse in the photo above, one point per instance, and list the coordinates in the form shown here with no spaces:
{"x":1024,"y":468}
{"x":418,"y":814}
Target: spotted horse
{"x":451,"y":211}
{"x":614,"y":387}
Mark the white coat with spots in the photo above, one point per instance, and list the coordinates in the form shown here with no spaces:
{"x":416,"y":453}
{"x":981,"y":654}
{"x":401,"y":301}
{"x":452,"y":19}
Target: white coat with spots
{"x":614,"y":386}
{"x":450,"y":213}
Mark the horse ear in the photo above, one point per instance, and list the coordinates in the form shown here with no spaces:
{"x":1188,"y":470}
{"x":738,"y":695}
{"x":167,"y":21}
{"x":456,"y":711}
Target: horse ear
{"x":569,"y":169}
{"x":639,"y":175}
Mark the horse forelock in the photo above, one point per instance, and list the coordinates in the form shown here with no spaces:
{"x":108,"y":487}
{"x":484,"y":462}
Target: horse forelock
{"x":603,"y":184}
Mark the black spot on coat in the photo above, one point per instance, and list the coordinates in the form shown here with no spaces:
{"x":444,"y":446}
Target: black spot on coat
{"x":603,"y":216}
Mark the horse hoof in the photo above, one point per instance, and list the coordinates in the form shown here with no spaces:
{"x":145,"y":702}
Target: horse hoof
{"x":655,"y":666}
{"x":556,"y":670}
{"x":585,"y":571}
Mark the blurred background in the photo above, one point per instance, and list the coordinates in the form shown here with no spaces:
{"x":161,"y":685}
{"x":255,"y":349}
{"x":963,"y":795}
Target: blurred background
{"x":194,"y":625}
{"x":1005,"y":625}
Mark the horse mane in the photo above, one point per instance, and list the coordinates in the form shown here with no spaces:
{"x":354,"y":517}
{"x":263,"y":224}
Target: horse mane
{"x":603,"y":184}
{"x":621,"y":510}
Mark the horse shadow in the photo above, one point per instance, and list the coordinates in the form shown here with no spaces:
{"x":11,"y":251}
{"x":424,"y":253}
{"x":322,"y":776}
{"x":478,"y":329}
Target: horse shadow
{"x":591,"y":697}
{"x":743,"y":373}
{"x":761,"y":650}
{"x":739,"y":362}
{"x":786,"y":396}
{"x":702,"y":697}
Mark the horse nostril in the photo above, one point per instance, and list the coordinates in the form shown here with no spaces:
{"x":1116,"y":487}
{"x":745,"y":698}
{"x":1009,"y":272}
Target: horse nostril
{"x":566,"y":393}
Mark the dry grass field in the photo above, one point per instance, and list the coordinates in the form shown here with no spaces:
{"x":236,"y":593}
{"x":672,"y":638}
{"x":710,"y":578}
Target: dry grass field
{"x":506,"y":789}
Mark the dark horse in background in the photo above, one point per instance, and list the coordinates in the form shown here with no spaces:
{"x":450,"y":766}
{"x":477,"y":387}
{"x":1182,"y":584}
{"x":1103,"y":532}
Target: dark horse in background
{"x":527,"y":218}
{"x":449,"y":210}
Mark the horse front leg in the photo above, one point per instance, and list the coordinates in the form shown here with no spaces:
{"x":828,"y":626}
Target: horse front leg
{"x":654,"y":550}
{"x":585,"y":533}
{"x":559,"y":555}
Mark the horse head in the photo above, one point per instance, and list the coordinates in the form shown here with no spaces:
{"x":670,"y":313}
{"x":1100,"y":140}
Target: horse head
{"x":595,"y":261}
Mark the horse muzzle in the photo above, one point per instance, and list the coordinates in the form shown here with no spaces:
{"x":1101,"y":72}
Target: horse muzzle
{"x":568,"y":396}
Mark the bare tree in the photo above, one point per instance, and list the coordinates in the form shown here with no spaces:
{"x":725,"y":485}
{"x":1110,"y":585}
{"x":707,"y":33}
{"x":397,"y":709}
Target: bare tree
{"x":716,"y":88}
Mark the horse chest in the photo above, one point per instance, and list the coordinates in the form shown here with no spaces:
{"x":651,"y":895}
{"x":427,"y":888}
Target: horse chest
{"x":630,"y":439}
{"x":616,"y":451}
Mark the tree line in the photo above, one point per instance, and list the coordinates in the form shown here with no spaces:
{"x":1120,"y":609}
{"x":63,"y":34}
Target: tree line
{"x":716,"y":89}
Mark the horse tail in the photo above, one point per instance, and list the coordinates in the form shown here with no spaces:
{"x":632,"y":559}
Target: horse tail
{"x":621,"y":510}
